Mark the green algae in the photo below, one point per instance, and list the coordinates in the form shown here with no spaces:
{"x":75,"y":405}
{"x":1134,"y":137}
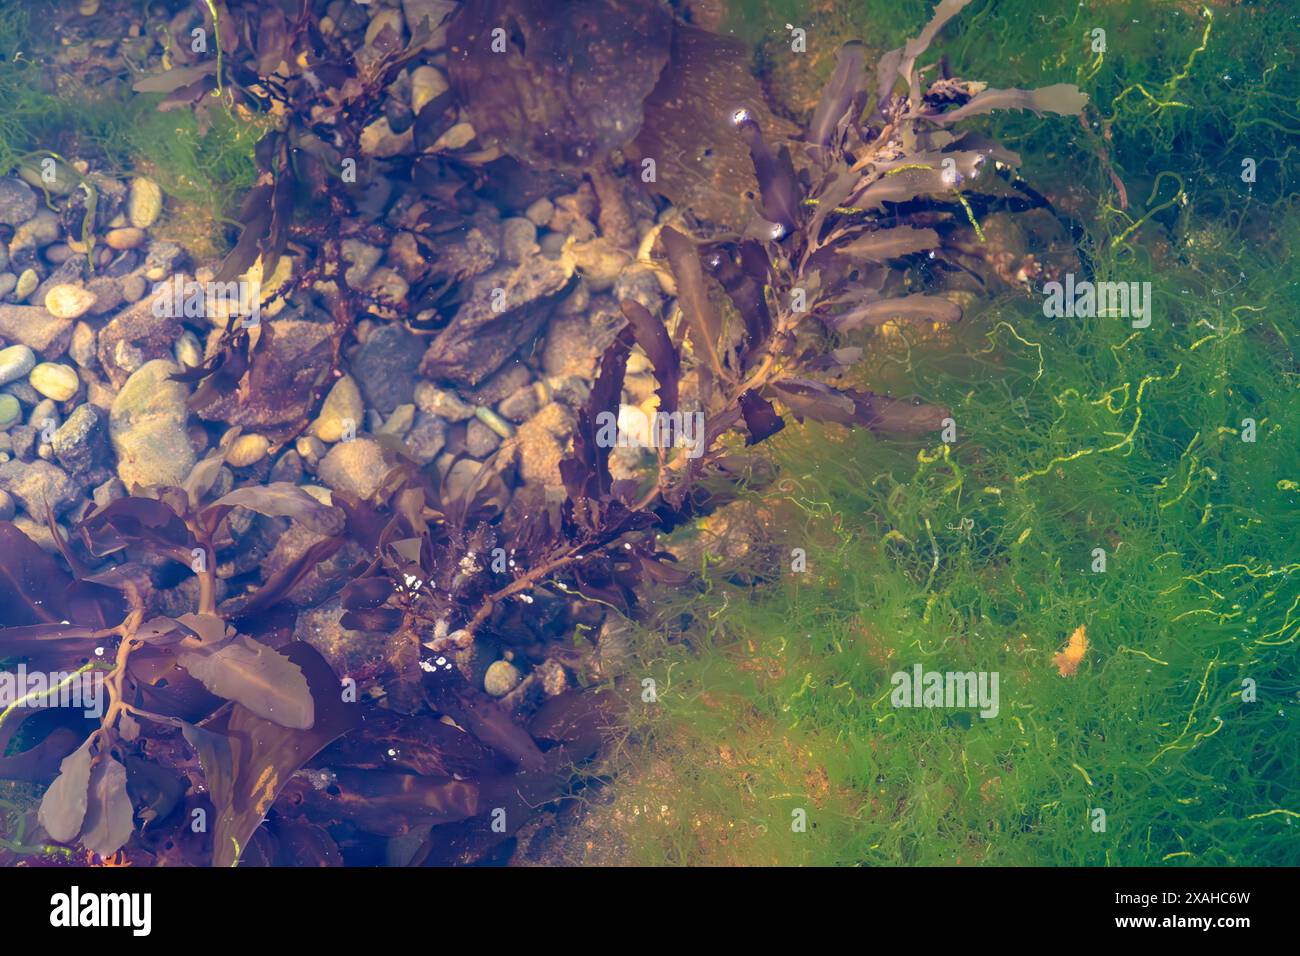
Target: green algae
{"x":206,"y":166}
{"x":773,"y":701}
{"x":980,"y":556}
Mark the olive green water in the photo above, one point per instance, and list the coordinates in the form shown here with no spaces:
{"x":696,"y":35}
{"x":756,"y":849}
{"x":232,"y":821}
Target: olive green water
{"x":773,"y":739}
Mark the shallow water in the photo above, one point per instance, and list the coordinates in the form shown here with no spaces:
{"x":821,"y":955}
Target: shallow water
{"x":1037,"y":607}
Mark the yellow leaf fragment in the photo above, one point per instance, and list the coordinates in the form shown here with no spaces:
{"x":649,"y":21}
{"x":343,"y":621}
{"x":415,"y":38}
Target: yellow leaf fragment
{"x":1071,"y":656}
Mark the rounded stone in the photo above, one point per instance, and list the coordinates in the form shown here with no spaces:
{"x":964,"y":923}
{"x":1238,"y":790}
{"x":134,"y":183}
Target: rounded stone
{"x":17,"y":201}
{"x":56,"y":381}
{"x":69,"y":301}
{"x":147,"y":426}
{"x":384,"y":20}
{"x":10,"y":411}
{"x":356,"y":467}
{"x":426,"y":84}
{"x":480,"y":441}
{"x":247,"y":450}
{"x":501,"y":678}
{"x":15,"y":362}
{"x":444,"y":404}
{"x":144,"y":204}
{"x":540,"y":212}
{"x":127,"y":238}
{"x":188,"y":351}
{"x":518,"y":239}
{"x":459,"y":136}
{"x":27,"y":283}
{"x":134,"y":288}
{"x":342,"y":405}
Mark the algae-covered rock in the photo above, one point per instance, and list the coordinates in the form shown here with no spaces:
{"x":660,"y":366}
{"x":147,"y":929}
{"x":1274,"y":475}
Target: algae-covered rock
{"x":147,"y":427}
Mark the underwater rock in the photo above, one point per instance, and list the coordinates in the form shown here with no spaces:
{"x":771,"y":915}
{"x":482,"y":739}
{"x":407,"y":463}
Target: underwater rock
{"x":520,"y":405}
{"x":136,"y":335}
{"x":147,"y":427}
{"x":539,"y":213}
{"x":361,"y":259}
{"x":518,"y":240}
{"x":68,"y":301}
{"x":343,"y":404}
{"x":107,"y":292}
{"x":36,"y":484}
{"x":426,"y":84}
{"x":427,"y":437}
{"x":639,"y":284}
{"x":702,"y":162}
{"x":247,"y":450}
{"x":32,"y":326}
{"x":599,"y":262}
{"x":144,"y":203}
{"x":355,"y":467}
{"x":540,"y":445}
{"x":444,"y":404}
{"x":502,"y":311}
{"x":404,"y":255}
{"x":457,"y":137}
{"x":15,"y":362}
{"x":26,"y":284}
{"x":56,"y":381}
{"x":501,"y":678}
{"x":81,"y":443}
{"x":566,"y":89}
{"x":83,"y":346}
{"x":11,"y":411}
{"x":321,"y":581}
{"x":510,"y":377}
{"x":416,"y":12}
{"x":17,"y":201}
{"x":127,"y":237}
{"x":380,"y":141}
{"x":41,"y":230}
{"x":480,"y":440}
{"x":385,"y":367}
{"x":346,"y":650}
{"x":575,"y":342}
{"x":277,"y":389}
{"x":470,"y":252}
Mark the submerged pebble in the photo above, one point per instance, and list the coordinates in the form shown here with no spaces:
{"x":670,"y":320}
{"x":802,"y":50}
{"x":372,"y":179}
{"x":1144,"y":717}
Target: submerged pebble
{"x":10,"y":411}
{"x":501,"y":678}
{"x":15,"y":362}
{"x":56,"y":381}
{"x":27,"y":283}
{"x":247,"y":450}
{"x":68,"y":301}
{"x":342,"y":410}
{"x":144,"y":203}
